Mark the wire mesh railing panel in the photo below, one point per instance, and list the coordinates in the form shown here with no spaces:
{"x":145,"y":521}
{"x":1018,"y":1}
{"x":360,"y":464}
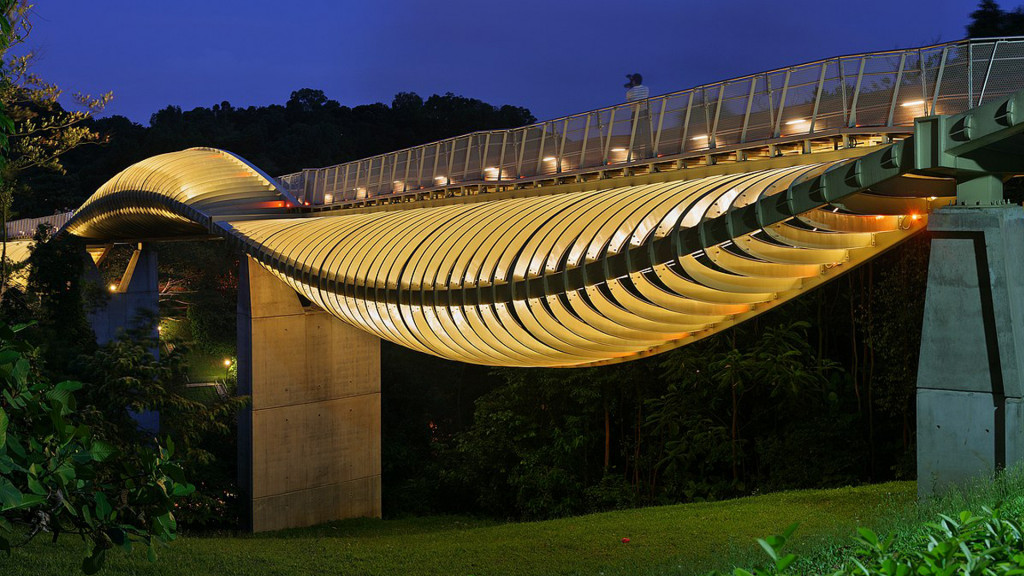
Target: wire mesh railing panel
{"x":953,"y":83}
{"x":848,"y":93}
{"x":1007,"y":73}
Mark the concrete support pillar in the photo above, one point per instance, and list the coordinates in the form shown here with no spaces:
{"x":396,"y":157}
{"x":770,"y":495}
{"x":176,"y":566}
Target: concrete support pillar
{"x":309,"y":446}
{"x":969,"y":384}
{"x":134,"y":303}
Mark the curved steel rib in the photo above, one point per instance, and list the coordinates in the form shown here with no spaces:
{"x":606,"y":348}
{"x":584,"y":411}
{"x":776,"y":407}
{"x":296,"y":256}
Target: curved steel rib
{"x":559,"y":280}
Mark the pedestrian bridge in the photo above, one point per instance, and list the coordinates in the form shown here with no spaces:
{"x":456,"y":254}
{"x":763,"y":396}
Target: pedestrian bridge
{"x":609,"y":236}
{"x":598,"y":237}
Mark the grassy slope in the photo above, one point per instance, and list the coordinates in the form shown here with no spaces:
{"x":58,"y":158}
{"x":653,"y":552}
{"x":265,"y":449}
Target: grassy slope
{"x":682,"y":539}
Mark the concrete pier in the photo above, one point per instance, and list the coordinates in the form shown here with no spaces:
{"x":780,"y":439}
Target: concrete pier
{"x":969,"y":386}
{"x":309,"y":446}
{"x":132,"y":305}
{"x":134,"y":302}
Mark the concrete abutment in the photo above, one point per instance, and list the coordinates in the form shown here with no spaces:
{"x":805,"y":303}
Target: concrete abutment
{"x":971,"y":372}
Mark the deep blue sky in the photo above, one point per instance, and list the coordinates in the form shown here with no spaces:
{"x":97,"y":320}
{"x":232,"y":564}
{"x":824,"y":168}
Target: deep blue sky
{"x":554,"y":57}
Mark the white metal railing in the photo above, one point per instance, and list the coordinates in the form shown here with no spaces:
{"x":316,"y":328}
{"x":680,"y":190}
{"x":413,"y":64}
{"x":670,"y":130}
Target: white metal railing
{"x":26,"y":228}
{"x":847,"y":94}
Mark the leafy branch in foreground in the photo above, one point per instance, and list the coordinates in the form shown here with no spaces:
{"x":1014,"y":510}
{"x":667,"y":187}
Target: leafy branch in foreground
{"x":987,"y":544}
{"x":58,"y":477}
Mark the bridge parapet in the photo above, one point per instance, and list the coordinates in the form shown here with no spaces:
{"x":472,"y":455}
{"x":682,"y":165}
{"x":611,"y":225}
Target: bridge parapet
{"x":861,"y":99}
{"x":25,"y":228}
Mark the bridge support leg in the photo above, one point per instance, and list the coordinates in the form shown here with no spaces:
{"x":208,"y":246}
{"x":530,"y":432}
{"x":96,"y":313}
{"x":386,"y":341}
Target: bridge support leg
{"x":309,"y":446}
{"x":133,"y":304}
{"x":970,"y":419}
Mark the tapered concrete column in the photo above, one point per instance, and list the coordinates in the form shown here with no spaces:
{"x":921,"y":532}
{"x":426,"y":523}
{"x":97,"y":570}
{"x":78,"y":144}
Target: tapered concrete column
{"x":133,"y":304}
{"x":969,"y":384}
{"x":309,"y":446}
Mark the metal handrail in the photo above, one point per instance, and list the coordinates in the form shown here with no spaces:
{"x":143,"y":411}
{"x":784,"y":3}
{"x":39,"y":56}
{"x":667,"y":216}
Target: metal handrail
{"x":856,"y":93}
{"x":26,"y":227}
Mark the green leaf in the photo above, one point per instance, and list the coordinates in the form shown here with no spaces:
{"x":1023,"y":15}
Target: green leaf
{"x":69,"y":386}
{"x":151,"y":553}
{"x":4,"y":421}
{"x":768,"y":548}
{"x":782,"y":563}
{"x":35,"y":486}
{"x":182,"y":490}
{"x":101,"y":450}
{"x":103,"y":508}
{"x":868,"y":536}
{"x":94,"y":562}
{"x":30,"y":500}
{"x":10,"y":496}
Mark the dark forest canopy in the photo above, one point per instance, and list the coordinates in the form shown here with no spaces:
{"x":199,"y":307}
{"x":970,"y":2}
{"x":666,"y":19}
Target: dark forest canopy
{"x":310,"y":130}
{"x":990,"y":20}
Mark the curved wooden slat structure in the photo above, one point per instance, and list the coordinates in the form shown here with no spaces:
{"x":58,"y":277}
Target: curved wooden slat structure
{"x":516,"y":282}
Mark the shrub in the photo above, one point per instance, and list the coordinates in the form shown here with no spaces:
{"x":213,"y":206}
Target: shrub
{"x":988,"y":543}
{"x":58,"y":476}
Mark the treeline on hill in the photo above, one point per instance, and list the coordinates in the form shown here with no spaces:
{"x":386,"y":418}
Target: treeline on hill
{"x":818,"y":392}
{"x":309,"y":131}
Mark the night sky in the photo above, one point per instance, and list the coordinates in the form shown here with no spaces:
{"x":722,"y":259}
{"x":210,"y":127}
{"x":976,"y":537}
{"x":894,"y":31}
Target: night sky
{"x":555,"y":58}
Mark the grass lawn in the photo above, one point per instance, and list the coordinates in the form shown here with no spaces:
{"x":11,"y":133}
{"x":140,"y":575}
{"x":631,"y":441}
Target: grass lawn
{"x":205,"y":367}
{"x":680,"y":539}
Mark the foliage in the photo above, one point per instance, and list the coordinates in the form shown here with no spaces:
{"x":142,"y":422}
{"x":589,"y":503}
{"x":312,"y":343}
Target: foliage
{"x":36,"y":128}
{"x":990,"y":20}
{"x":58,"y":475}
{"x":987,"y":543}
{"x":308,"y":130}
{"x":680,"y":539}
{"x":128,"y":380}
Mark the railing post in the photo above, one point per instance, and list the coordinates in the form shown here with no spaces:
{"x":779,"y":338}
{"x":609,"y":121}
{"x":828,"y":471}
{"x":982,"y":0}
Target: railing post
{"x":632,"y":131}
{"x":561,"y":146}
{"x":586,"y":140}
{"x":750,"y":103}
{"x":661,"y":122}
{"x":817,"y":97}
{"x":501,"y":158}
{"x":988,"y":71}
{"x":451,"y":158}
{"x":712,"y":143}
{"x":686,"y":123}
{"x":896,"y":89}
{"x":520,"y":152}
{"x":437,"y":157}
{"x":483,"y":155}
{"x":408,"y":164}
{"x":856,"y":93}
{"x":608,"y":140}
{"x":970,"y":75}
{"x":782,"y":105}
{"x":469,"y":154}
{"x":540,"y":149}
{"x":924,"y":80}
{"x":938,"y":81}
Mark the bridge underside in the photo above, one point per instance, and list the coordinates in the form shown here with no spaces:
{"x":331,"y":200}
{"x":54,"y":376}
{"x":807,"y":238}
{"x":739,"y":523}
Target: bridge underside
{"x":569,"y":279}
